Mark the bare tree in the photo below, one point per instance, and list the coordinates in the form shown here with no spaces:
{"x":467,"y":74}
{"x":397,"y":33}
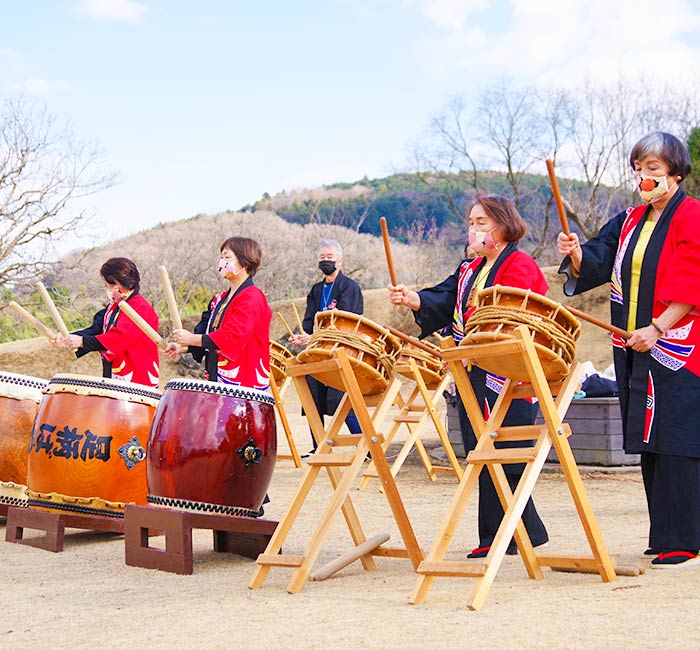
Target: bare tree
{"x":43,"y":171}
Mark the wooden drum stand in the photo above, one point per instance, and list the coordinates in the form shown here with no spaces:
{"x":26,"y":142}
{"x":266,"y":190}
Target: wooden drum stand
{"x":552,"y":433}
{"x":328,"y":440}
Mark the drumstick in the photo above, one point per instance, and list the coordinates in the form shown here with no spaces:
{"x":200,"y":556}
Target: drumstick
{"x":285,"y":324}
{"x":387,"y":250}
{"x":55,"y":315}
{"x":170,"y":298}
{"x":414,"y":341}
{"x":32,"y":320}
{"x":296,"y":315}
{"x":592,"y":319}
{"x":557,"y":198}
{"x":142,"y":324}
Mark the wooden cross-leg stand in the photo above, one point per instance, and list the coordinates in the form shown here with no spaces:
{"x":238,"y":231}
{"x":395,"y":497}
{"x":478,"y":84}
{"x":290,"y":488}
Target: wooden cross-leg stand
{"x":278,"y":393}
{"x":415,"y":415}
{"x":325,"y":457}
{"x":552,"y":433}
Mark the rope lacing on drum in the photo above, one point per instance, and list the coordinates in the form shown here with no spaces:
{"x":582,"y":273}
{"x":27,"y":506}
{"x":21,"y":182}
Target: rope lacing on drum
{"x":562,"y":341}
{"x":375,"y":349}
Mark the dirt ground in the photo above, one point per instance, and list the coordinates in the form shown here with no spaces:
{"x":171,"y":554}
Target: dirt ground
{"x":86,"y":596}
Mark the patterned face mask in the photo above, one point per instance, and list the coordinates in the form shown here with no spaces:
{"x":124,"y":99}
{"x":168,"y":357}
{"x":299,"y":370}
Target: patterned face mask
{"x":651,"y":188}
{"x":479,"y":239}
{"x":226,"y":269}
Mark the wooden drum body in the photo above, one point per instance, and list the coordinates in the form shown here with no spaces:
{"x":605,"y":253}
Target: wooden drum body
{"x":431,"y":368}
{"x":212,"y":448}
{"x":279,"y":355}
{"x":371,"y":348}
{"x":499,"y":310}
{"x":20,"y":397}
{"x":88,"y":446}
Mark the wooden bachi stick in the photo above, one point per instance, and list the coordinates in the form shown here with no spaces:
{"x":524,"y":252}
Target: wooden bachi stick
{"x":170,"y":298}
{"x":595,"y":321}
{"x":51,"y":306}
{"x":414,"y":341}
{"x":142,"y":324}
{"x":32,"y":320}
{"x":285,"y":324}
{"x":296,"y":315}
{"x":557,"y":198}
{"x":387,"y":250}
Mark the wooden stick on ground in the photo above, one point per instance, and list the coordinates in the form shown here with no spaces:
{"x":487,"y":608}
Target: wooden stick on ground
{"x":387,"y":250}
{"x":50,"y":305}
{"x":414,"y":341}
{"x":296,"y":315}
{"x":595,"y":321}
{"x":32,"y":320}
{"x":557,"y":198}
{"x":285,"y":324}
{"x":170,"y":298}
{"x":142,"y":324}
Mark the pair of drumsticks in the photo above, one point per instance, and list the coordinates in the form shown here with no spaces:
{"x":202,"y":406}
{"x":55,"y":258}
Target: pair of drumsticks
{"x":565,"y":229}
{"x":286,"y":325}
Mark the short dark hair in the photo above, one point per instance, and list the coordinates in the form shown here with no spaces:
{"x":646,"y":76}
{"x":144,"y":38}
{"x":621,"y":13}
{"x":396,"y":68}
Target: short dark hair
{"x":504,"y":213}
{"x":667,"y":147}
{"x":121,"y":270}
{"x":247,"y":252}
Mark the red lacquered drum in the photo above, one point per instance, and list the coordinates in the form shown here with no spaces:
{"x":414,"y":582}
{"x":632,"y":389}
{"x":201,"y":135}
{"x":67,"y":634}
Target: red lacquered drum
{"x":19,"y":402}
{"x":88,"y":442}
{"x":372,"y":350}
{"x":212,"y":448}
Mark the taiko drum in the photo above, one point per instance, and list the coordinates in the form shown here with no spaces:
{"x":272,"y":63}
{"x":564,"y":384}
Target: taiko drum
{"x":279,"y":355}
{"x":88,"y":446}
{"x":212,"y":448}
{"x":20,"y":397}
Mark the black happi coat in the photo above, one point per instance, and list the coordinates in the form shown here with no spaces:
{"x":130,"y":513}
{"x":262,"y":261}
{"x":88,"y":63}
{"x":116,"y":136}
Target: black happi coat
{"x":346,"y":295}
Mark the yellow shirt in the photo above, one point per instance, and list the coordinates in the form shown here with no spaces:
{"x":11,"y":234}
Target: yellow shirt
{"x":637,"y":258}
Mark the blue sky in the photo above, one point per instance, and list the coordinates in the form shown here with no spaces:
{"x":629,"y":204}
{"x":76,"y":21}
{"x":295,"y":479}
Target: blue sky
{"x":203,"y":106}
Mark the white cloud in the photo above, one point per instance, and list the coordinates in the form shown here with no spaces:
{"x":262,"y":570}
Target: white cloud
{"x":449,"y":14}
{"x":559,"y":41}
{"x":36,"y":86}
{"x":127,"y":11}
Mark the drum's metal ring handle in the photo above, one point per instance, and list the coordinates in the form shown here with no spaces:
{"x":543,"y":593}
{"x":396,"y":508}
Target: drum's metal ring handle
{"x":250,"y":453}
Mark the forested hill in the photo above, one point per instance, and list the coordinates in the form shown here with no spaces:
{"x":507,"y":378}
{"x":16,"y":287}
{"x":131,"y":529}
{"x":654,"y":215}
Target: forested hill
{"x":418,"y":206}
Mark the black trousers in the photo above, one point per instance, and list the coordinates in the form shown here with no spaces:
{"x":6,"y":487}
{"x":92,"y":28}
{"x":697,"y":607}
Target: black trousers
{"x":490,"y":509}
{"x":672,"y":486}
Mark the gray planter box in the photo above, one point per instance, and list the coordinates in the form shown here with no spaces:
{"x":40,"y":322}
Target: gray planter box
{"x":596,"y":432}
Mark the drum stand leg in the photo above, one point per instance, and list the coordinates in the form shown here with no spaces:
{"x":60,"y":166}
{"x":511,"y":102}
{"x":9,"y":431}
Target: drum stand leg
{"x":53,"y":525}
{"x":240,"y":535}
{"x":278,"y":393}
{"x":415,"y":416}
{"x":325,"y":457}
{"x":553,"y":433}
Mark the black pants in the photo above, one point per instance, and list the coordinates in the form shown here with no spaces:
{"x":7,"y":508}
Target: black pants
{"x":490,"y":509}
{"x":672,"y":486}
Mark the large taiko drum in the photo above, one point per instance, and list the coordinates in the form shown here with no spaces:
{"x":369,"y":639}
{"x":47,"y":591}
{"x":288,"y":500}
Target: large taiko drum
{"x":20,"y":396}
{"x":212,"y":448}
{"x":88,"y":445}
{"x":372,"y":350}
{"x":430,"y":366}
{"x":499,"y":310}
{"x":279,"y":355}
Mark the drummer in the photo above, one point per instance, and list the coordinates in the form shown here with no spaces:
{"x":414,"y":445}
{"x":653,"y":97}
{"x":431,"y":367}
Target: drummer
{"x":233,"y":335}
{"x":127,"y":353}
{"x":335,"y":291}
{"x":495,"y":227}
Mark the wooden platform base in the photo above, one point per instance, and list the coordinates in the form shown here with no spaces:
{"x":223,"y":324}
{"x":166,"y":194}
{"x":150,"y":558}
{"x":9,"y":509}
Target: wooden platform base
{"x":53,"y":524}
{"x":240,"y":535}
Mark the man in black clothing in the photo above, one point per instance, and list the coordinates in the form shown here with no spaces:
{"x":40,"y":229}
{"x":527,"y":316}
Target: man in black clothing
{"x":335,"y":291}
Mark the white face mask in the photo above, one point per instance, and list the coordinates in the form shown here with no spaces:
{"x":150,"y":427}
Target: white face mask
{"x":651,"y":188}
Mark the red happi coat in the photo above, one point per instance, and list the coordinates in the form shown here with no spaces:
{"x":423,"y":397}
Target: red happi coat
{"x":660,"y":389}
{"x":134,"y":357}
{"x":239,"y":338}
